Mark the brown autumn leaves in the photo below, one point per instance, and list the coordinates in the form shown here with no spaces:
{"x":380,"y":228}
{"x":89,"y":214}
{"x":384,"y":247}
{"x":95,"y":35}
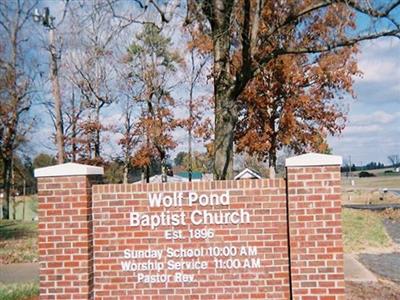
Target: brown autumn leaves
{"x":293,"y":102}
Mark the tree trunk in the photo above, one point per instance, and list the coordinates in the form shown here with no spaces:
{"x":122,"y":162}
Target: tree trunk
{"x":126,"y":168}
{"x":225,"y":114}
{"x":74,"y":149}
{"x":219,"y":13}
{"x":97,"y":144}
{"x":14,"y":204}
{"x":57,"y":97}
{"x":10,"y":134}
{"x":190,"y":166}
{"x":163,"y":160}
{"x":225,"y":122}
{"x":190,"y":131}
{"x":147,"y":173}
{"x":143,"y":175}
{"x":74,"y":121}
{"x":126,"y":171}
{"x":7,"y":186}
{"x":97,"y":132}
{"x":272,"y":149}
{"x":272,"y":158}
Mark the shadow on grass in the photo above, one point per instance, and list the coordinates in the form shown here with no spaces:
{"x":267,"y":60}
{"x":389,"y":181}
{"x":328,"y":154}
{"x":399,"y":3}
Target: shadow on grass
{"x":17,"y":229}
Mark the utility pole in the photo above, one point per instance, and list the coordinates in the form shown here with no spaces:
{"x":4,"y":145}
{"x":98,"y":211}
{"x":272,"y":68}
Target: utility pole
{"x":47,"y":21}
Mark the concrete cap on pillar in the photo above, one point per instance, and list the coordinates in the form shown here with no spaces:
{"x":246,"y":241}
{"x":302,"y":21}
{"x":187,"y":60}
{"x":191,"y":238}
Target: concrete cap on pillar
{"x":313,"y":159}
{"x":68,"y":169}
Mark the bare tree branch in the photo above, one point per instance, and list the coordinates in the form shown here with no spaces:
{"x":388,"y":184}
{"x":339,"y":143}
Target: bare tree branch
{"x":166,"y":15}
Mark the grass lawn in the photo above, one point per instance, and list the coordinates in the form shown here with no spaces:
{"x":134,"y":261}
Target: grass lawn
{"x":18,"y":242}
{"x":364,"y":196}
{"x":379,"y":182}
{"x":19,"y":291}
{"x":29,"y":212}
{"x":363,"y":230}
{"x":370,"y":190}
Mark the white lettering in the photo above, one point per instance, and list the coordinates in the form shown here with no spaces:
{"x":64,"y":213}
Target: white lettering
{"x":149,"y":253}
{"x":127,"y":253}
{"x":205,"y":217}
{"x":248,"y":251}
{"x":192,"y":198}
{"x":187,"y":265}
{"x":209,"y":200}
{"x":158,"y":278}
{"x":142,"y":266}
{"x":180,"y":277}
{"x":155,"y":201}
{"x":224,"y":198}
{"x":155,"y":220}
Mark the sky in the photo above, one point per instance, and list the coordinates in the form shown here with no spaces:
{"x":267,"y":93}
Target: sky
{"x":373,"y":128}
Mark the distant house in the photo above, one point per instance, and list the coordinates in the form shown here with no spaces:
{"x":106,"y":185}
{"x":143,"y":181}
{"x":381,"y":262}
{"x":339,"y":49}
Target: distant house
{"x":248,"y":174}
{"x":158,"y":178}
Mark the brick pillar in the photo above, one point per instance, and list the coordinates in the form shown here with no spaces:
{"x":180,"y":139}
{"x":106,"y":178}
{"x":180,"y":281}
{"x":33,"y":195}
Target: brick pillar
{"x":65,"y":230}
{"x":316,"y":247}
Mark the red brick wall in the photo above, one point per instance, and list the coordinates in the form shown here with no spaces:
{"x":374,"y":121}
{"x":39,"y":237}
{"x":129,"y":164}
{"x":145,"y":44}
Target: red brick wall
{"x":315,"y":233}
{"x":82,"y":242}
{"x":264,"y":199}
{"x":65,"y":237}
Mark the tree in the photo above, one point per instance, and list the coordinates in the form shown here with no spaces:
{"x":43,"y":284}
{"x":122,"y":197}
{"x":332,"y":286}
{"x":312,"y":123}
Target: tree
{"x":292,"y":103}
{"x":196,"y":124}
{"x":129,"y":137}
{"x":152,"y":63}
{"x":15,"y":86}
{"x":55,"y":55}
{"x":373,"y":165}
{"x":43,"y":160}
{"x":75,"y":108}
{"x":92,"y":65}
{"x":24,"y":181}
{"x":200,"y":162}
{"x":394,"y":160}
{"x":178,"y":160}
{"x":238,"y":28}
{"x":113,"y":172}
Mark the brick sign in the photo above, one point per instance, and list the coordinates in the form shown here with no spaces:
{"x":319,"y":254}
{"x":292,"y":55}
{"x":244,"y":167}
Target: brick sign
{"x":203,"y":238}
{"x":245,"y":239}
